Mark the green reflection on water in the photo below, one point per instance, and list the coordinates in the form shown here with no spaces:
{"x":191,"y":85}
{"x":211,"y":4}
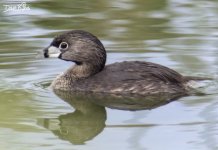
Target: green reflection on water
{"x":178,"y":34}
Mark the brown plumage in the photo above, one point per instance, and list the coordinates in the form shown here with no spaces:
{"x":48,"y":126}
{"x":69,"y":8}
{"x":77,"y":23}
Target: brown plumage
{"x":129,"y":77}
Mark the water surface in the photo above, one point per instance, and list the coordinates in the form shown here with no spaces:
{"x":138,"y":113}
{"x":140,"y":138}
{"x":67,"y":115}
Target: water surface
{"x":182,"y":35}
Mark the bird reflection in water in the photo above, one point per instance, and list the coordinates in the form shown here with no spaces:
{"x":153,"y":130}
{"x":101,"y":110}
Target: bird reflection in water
{"x":88,"y":119}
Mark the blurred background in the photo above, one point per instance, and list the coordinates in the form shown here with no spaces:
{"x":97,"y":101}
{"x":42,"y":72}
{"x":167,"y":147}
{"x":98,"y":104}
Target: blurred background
{"x":180,"y":34}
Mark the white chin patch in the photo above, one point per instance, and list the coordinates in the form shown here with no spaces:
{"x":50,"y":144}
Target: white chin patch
{"x":53,"y":51}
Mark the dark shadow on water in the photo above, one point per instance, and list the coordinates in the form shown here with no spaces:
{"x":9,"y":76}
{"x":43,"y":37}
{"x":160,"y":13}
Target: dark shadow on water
{"x":88,"y":119}
{"x":86,"y":122}
{"x":131,"y":102}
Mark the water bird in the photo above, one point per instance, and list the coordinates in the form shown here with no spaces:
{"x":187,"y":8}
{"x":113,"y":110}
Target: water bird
{"x":89,"y":73}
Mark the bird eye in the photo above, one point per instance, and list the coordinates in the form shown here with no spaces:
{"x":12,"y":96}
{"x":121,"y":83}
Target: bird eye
{"x":63,"y":46}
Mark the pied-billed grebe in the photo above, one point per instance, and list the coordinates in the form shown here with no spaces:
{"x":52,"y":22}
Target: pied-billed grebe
{"x":91,"y":75}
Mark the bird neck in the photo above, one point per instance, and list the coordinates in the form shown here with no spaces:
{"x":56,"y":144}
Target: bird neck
{"x":74,"y":73}
{"x":77,"y":72}
{"x":82,"y":71}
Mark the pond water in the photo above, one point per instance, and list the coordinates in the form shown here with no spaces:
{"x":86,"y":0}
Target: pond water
{"x":182,"y":35}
